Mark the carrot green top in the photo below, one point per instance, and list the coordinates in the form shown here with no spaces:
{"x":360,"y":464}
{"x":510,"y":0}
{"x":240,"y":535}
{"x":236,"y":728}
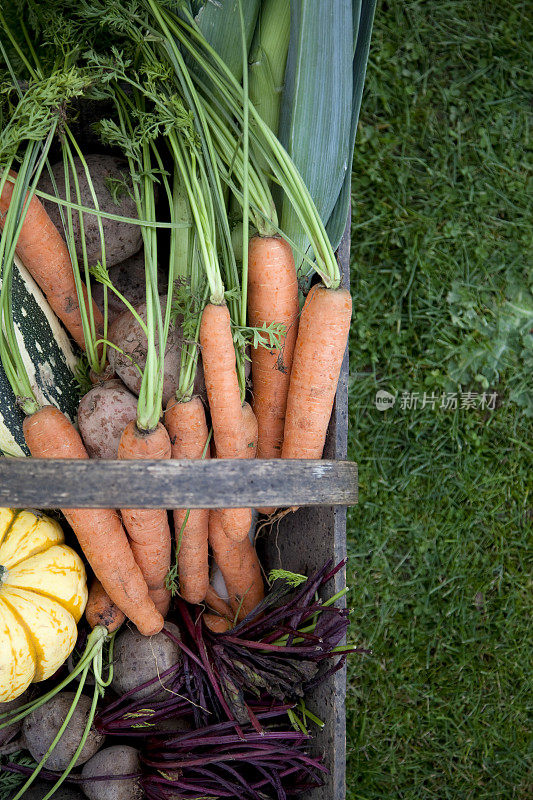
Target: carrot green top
{"x":172,"y":32}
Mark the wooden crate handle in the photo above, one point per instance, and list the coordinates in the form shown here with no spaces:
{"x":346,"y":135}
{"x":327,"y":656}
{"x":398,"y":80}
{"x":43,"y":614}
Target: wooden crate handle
{"x":216,"y":483}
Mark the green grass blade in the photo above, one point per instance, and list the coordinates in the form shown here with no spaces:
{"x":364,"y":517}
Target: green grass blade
{"x":316,"y":105}
{"x":337,"y":221}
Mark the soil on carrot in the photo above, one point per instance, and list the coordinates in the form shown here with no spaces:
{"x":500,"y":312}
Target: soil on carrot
{"x":438,"y":547}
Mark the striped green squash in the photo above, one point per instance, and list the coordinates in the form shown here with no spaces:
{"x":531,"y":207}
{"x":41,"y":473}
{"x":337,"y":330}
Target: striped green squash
{"x":48,"y":357}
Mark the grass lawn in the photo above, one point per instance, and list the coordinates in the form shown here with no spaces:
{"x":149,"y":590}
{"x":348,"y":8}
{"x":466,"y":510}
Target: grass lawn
{"x":439,"y":567}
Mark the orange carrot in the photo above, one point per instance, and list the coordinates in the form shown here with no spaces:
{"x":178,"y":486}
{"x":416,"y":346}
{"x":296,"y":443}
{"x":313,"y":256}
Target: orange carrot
{"x":107,"y":374}
{"x":318,"y":355}
{"x":193,"y":553}
{"x":100,"y":609}
{"x":238,"y":561}
{"x":187,"y":429}
{"x":251,"y":429}
{"x":223,"y":393}
{"x":148,"y":528}
{"x":239,"y":565}
{"x":215,"y":623}
{"x":49,"y":434}
{"x":217,"y":604}
{"x":272,"y":297}
{"x":45,"y":255}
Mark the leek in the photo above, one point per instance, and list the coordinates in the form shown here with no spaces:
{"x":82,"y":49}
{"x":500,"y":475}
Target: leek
{"x":174,"y":31}
{"x":219,"y":22}
{"x":363,"y":20}
{"x":316,"y":107}
{"x":268,"y":57}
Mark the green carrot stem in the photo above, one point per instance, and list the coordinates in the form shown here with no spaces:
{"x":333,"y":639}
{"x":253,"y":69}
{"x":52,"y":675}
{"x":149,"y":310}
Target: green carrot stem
{"x":96,"y":203}
{"x":278,"y":159}
{"x":95,"y":642}
{"x":296,"y":721}
{"x":199,"y":201}
{"x":90,"y":717}
{"x":306,"y":713}
{"x":23,"y":190}
{"x":56,"y":738}
{"x":151,"y":390}
{"x":245,"y":196}
{"x":333,"y":600}
{"x":190,"y":94}
{"x":87,"y":317}
{"x":19,"y":51}
{"x":142,"y":223}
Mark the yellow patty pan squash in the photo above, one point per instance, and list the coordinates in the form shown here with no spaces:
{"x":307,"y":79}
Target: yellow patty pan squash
{"x":43,"y":593}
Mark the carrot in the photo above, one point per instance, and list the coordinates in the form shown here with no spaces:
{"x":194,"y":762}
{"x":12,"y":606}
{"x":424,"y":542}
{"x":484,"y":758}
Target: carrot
{"x":218,"y":357}
{"x":251,"y":429}
{"x":215,"y":623}
{"x":272,"y":297}
{"x":318,"y":355}
{"x":193,"y":554}
{"x":45,"y":255}
{"x":187,"y":429}
{"x":217,"y":604}
{"x":148,"y":528}
{"x":237,"y":561}
{"x":100,"y":609}
{"x":107,"y":374}
{"x":239,"y":565}
{"x":223,"y":393}
{"x":49,"y":434}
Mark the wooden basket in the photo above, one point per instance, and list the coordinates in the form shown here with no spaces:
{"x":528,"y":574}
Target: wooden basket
{"x":301,"y":541}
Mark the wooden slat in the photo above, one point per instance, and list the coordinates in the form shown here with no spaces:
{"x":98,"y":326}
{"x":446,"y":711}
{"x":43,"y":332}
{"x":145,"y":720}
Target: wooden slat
{"x":303,"y":542}
{"x":216,"y":483}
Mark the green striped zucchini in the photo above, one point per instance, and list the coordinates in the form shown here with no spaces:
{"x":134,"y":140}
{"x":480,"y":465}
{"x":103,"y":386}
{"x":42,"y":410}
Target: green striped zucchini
{"x":48,"y":357}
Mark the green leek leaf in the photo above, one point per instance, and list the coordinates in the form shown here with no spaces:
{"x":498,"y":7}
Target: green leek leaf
{"x":268,"y":57}
{"x":362,"y":35}
{"x":219,"y":22}
{"x":316,"y":109}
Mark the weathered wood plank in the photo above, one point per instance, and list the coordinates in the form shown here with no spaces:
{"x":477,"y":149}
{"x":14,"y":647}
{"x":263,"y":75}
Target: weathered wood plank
{"x":216,"y":483}
{"x":322,"y":529}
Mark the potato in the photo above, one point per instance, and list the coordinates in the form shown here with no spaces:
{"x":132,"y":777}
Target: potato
{"x":117,"y":760}
{"x":138,"y":659}
{"x":129,"y":278}
{"x":127,"y":334}
{"x":103,"y":414}
{"x":122,"y":239}
{"x":40,"y":789}
{"x":41,"y":726}
{"x":6,"y":734}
